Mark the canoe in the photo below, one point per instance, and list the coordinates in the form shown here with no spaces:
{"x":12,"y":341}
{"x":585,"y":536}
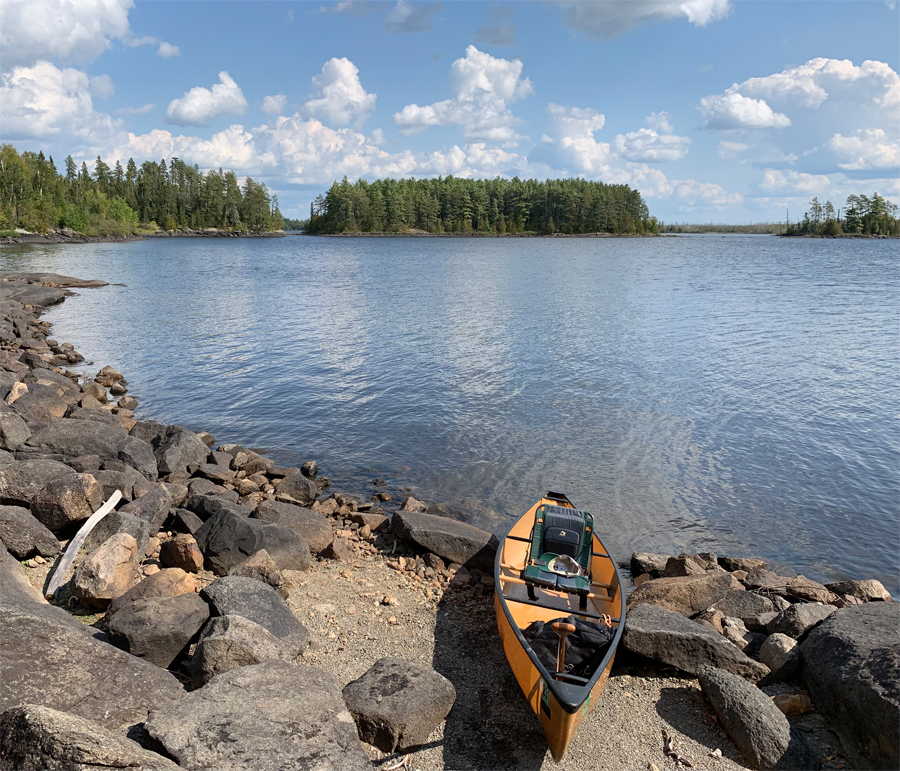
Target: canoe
{"x":529,"y":588}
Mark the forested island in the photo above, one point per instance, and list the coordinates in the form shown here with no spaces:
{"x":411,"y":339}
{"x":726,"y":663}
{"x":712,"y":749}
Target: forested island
{"x":135,"y":199}
{"x":862,"y":215}
{"x":453,"y":205}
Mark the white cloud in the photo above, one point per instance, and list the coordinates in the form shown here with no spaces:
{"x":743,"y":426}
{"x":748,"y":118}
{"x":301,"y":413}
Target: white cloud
{"x":167,"y":50}
{"x":657,"y":144}
{"x":406,"y":17}
{"x":692,"y":193}
{"x":866,"y":150}
{"x":792,"y":183}
{"x":483,"y":88}
{"x":44,"y":101}
{"x":735,"y":111}
{"x":338,"y":95}
{"x":134,"y":111}
{"x":274,"y":105}
{"x":200,"y":105}
{"x":728,"y":151}
{"x":610,"y":19}
{"x":102,"y":86}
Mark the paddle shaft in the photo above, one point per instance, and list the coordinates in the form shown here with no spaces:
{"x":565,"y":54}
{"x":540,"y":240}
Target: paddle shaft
{"x":563,"y":630}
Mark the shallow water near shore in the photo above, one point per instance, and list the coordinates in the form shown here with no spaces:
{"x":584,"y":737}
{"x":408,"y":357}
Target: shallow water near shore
{"x":737,"y":394}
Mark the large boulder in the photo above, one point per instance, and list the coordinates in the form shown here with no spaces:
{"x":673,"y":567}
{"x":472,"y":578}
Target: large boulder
{"x":650,"y":563}
{"x":40,"y":403}
{"x":229,"y":642}
{"x":743,"y":605}
{"x":259,"y":602}
{"x":448,"y":538}
{"x":67,"y":499}
{"x":687,"y":595}
{"x":398,"y":703}
{"x":139,"y":455}
{"x":166,"y":583}
{"x":69,"y":438}
{"x":22,"y":480}
{"x":108,"y":572}
{"x":208,"y":506}
{"x":300,"y":488}
{"x":152,"y":507}
{"x":227,"y":539}
{"x":798,"y":619}
{"x":178,"y":451}
{"x":42,"y":739}
{"x":758,"y":728}
{"x":304,"y":723}
{"x":24,"y":535}
{"x":49,"y":661}
{"x":13,"y":431}
{"x":851,"y":667}
{"x":670,"y":638}
{"x":311,"y":526}
{"x":158,"y":629}
{"x":118,"y":522}
{"x":867,"y":590}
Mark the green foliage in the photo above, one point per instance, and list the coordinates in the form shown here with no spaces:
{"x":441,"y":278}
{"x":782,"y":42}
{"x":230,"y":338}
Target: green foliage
{"x":863,"y":215}
{"x":477,"y":206}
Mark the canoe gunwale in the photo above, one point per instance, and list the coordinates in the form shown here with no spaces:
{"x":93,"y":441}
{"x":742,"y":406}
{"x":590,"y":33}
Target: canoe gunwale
{"x":569,"y":696}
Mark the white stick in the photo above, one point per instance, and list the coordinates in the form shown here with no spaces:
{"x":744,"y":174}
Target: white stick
{"x":65,"y":562}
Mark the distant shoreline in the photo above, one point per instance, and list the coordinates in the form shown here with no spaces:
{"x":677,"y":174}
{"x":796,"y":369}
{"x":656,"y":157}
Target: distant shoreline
{"x":478,"y":235}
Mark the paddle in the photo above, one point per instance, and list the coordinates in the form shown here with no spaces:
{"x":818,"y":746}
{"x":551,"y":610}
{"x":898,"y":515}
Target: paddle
{"x":563,"y":630}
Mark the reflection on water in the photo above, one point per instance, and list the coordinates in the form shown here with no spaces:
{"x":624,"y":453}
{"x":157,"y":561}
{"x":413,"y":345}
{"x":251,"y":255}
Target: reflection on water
{"x":736,"y":394}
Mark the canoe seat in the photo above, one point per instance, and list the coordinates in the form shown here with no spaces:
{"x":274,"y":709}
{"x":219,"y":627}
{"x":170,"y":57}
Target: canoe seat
{"x":559,"y":530}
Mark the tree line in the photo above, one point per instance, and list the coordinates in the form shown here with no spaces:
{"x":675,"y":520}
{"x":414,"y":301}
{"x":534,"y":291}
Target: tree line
{"x":119,"y":200}
{"x":862,"y":215}
{"x":480,"y":206}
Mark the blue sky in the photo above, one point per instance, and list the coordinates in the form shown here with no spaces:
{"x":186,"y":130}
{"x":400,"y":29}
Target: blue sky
{"x":717,"y":110}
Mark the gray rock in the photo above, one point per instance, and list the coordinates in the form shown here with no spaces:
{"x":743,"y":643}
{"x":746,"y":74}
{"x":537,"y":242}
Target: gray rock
{"x":304,"y":725}
{"x":139,"y":455}
{"x":158,"y":629}
{"x":123,"y":481}
{"x":55,"y":664}
{"x":186,"y":521}
{"x":868,"y":590}
{"x":413,"y":505}
{"x":803,"y":589}
{"x":169,"y":582}
{"x":22,"y":480}
{"x":215,"y":472}
{"x":311,"y":526}
{"x":259,"y":602}
{"x":227,"y":539}
{"x":178,"y":492}
{"x":200,"y":486}
{"x":798,"y":619}
{"x":261,"y":567}
{"x":398,"y":703}
{"x":42,"y":739}
{"x":229,"y":642}
{"x":86,"y":464}
{"x":450,"y":539}
{"x":670,"y":638}
{"x":687,"y":595}
{"x":851,"y":667}
{"x":781,"y":654}
{"x":300,"y":488}
{"x":208,"y":506}
{"x":742,"y":563}
{"x":177,"y":450}
{"x":734,"y":630}
{"x":66,"y":500}
{"x":69,"y":438}
{"x":118,"y":522}
{"x":743,"y":605}
{"x":24,"y":535}
{"x":13,"y":431}
{"x":40,"y":402}
{"x":757,"y":727}
{"x":152,"y":507}
{"x":760,"y":622}
{"x":684,"y":565}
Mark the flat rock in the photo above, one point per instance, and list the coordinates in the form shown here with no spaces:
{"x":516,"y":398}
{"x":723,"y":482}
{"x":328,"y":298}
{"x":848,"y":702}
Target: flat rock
{"x":868,"y":590}
{"x":22,"y":480}
{"x":757,"y":727}
{"x":731,"y":564}
{"x":70,"y":438}
{"x":450,"y":539}
{"x":259,"y":602}
{"x":42,"y":739}
{"x":670,"y":638}
{"x":158,"y":629}
{"x":743,"y":604}
{"x":23,"y":535}
{"x":851,"y":667}
{"x":67,"y":499}
{"x":215,"y":472}
{"x":220,"y":725}
{"x":311,"y":526}
{"x":687,"y":595}
{"x":798,"y":619}
{"x":398,"y":703}
{"x":108,"y":572}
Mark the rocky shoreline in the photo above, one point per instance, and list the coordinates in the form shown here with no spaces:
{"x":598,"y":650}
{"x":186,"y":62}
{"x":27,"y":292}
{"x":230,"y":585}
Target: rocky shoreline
{"x":69,"y":236}
{"x":228,"y":613}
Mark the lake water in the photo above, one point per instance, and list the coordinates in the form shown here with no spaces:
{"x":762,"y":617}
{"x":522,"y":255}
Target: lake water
{"x":738,"y":394}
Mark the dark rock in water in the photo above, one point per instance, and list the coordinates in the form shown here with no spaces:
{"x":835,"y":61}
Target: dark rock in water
{"x":119,"y":522}
{"x":300,"y":488}
{"x":743,"y":605}
{"x":311,"y":526}
{"x":310,"y":469}
{"x":670,"y":638}
{"x":43,"y":739}
{"x":22,"y":480}
{"x":227,"y":539}
{"x":13,"y":431}
{"x":55,"y":664}
{"x":229,"y":642}
{"x":758,"y":728}
{"x":158,"y":629}
{"x":304,"y":724}
{"x":186,"y":521}
{"x":152,"y":507}
{"x":450,"y":539}
{"x":67,"y":499}
{"x":397,"y":703}
{"x":687,"y":595}
{"x":851,"y":667}
{"x":247,"y":597}
{"x":798,"y":619}
{"x":24,"y":535}
{"x":208,"y":506}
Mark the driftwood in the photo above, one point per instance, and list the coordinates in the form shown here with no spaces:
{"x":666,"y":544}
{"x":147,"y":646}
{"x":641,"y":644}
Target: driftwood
{"x":65,"y":562}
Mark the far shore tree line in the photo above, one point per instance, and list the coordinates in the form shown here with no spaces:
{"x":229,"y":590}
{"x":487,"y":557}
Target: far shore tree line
{"x":862,"y":215}
{"x":479,"y":207}
{"x":104,"y":201}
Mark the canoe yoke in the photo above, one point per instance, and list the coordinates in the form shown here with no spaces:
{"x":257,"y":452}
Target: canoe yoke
{"x":558,"y":531}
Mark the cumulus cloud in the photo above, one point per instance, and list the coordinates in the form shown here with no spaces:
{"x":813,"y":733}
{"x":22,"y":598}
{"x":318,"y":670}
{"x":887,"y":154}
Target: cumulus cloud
{"x":134,"y":111}
{"x":736,"y":111}
{"x":609,"y":19}
{"x":338,"y":95}
{"x":728,"y":151}
{"x":167,"y":50}
{"x":866,"y":150}
{"x":274,"y":105}
{"x":406,"y":17}
{"x":792,"y":183}
{"x":102,"y":86}
{"x":657,"y":144}
{"x":43,"y":101}
{"x":200,"y":105}
{"x":691,"y":193}
{"x":483,"y":88}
